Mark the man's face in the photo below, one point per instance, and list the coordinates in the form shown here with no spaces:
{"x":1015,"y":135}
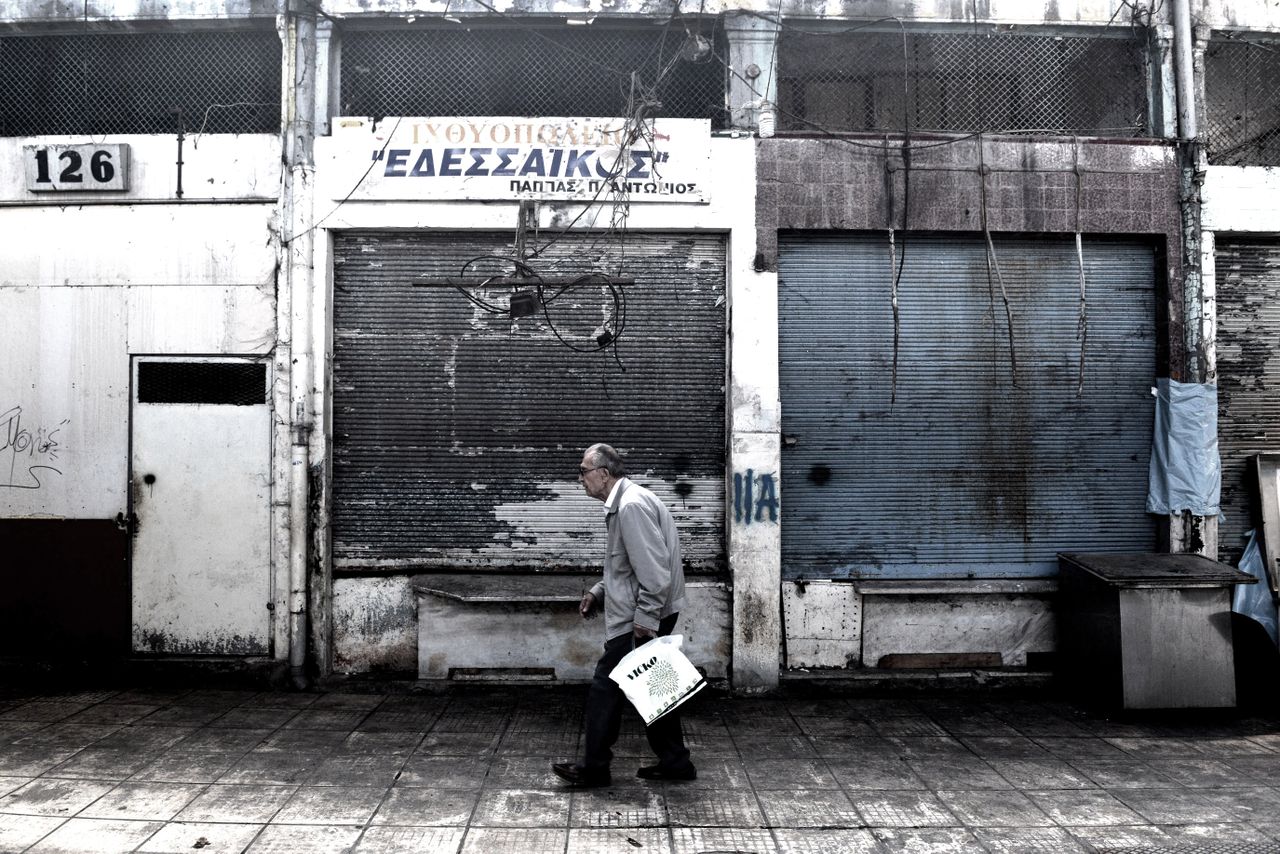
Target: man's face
{"x":595,"y":479}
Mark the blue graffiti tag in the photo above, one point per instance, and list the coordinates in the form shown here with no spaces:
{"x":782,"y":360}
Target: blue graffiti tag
{"x":766,"y":497}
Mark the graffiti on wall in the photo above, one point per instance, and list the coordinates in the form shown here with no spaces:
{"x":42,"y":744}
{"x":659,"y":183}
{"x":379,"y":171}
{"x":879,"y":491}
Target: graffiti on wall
{"x":755,"y":497}
{"x":27,"y":454}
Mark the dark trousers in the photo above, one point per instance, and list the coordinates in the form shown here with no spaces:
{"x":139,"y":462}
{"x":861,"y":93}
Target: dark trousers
{"x":605,"y":703}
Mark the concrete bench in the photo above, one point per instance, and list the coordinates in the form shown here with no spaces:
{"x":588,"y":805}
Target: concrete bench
{"x":966,"y":622}
{"x":488,"y":627}
{"x":918,"y":623}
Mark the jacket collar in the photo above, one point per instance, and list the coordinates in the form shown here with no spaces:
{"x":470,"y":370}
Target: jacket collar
{"x":615,"y":496}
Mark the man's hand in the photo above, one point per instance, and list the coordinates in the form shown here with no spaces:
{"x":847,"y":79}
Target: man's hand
{"x":588,"y":607}
{"x":643,"y":635}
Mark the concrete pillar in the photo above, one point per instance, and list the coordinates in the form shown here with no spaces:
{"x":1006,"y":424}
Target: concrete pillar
{"x":755,"y":559}
{"x":1188,"y":532}
{"x":326,"y":94}
{"x":1164,"y":98}
{"x":754,"y":487}
{"x":294,"y":315}
{"x":754,"y":476}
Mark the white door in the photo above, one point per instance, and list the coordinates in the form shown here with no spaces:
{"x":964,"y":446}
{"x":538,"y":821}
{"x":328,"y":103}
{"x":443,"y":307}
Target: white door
{"x":200,"y":490}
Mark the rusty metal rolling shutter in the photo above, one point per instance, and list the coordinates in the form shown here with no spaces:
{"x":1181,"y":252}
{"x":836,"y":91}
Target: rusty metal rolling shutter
{"x":1248,"y":284}
{"x":457,"y":433}
{"x":965,"y":474}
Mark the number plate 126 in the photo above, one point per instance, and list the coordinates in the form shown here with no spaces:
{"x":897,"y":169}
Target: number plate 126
{"x":76,"y":168}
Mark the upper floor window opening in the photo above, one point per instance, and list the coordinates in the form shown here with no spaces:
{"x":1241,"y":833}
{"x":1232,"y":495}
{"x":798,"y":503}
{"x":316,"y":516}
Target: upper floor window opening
{"x":541,"y":69}
{"x":224,"y":80}
{"x":962,"y":81}
{"x":1242,"y":100}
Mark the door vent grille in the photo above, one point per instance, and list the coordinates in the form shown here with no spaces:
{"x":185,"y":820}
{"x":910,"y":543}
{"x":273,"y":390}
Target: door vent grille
{"x":231,"y":383}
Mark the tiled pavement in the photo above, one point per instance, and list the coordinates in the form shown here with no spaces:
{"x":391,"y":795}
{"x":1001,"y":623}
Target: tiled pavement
{"x":218,"y":771}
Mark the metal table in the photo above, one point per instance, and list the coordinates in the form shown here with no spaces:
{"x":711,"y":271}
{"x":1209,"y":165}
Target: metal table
{"x":1148,"y":631}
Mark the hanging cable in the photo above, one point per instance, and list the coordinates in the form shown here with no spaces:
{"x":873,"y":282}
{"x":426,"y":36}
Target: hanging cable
{"x":1082,"y":328}
{"x":993,"y":263}
{"x":607,"y":338}
{"x":528,"y":276}
{"x":374,"y":161}
{"x":906,"y":206}
{"x":893,"y":299}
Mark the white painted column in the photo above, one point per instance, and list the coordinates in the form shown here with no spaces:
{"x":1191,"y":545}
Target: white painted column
{"x":754,"y":488}
{"x":752,"y":67}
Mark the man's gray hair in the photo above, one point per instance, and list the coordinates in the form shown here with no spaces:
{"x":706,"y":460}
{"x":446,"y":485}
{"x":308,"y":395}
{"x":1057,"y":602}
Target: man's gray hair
{"x":606,"y":457}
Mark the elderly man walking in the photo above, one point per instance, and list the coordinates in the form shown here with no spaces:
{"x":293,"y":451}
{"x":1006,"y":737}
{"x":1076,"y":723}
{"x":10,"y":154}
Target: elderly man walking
{"x":641,"y":594}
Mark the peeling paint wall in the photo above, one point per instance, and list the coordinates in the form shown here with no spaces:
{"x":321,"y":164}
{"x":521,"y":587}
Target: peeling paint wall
{"x":1242,"y":199}
{"x":1001,"y":11}
{"x":1242,"y":14}
{"x":1007,"y":625}
{"x":94,"y":279}
{"x":101,"y":284}
{"x":54,"y":11}
{"x":822,"y":622}
{"x":376,"y":624}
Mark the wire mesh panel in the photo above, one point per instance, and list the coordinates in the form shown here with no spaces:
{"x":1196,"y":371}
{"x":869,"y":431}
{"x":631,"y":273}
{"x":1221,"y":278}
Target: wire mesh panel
{"x":949,"y":81}
{"x":224,"y":81}
{"x":544,"y":71}
{"x":231,"y":383}
{"x":1242,"y":100}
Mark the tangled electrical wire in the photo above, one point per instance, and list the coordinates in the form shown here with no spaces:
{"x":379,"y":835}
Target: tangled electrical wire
{"x":529,"y":277}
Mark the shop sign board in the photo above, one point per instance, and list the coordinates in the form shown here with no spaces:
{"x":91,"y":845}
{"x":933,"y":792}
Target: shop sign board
{"x":506,"y":158}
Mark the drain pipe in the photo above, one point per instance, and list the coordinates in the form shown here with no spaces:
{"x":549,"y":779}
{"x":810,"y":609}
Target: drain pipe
{"x":299,"y":129}
{"x":1183,"y":47}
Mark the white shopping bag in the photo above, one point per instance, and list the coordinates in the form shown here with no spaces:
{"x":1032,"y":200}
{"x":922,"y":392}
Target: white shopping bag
{"x":656,"y":677}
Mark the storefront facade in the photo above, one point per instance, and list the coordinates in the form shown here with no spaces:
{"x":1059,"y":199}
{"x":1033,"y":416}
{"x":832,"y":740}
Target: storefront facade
{"x":316,"y":367}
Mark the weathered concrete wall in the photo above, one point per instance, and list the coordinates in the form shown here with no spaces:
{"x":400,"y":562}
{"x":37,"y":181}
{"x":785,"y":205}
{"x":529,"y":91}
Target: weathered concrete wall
{"x":1245,"y":14}
{"x":224,"y":167}
{"x":852,"y":625}
{"x":64,"y":11}
{"x":375,"y":625}
{"x":957,"y":622}
{"x":1242,"y":198}
{"x":1241,"y":15}
{"x":1124,"y":188}
{"x":822,"y":623}
{"x":85,"y":289}
{"x":92,"y":280}
{"x":1000,"y":11}
{"x":376,"y":628}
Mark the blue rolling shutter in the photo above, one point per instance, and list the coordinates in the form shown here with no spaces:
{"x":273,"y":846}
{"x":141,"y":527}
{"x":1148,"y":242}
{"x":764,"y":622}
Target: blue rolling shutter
{"x":965,"y":474}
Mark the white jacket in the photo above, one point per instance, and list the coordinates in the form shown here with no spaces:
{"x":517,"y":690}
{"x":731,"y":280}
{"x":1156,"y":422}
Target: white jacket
{"x":643,"y":573}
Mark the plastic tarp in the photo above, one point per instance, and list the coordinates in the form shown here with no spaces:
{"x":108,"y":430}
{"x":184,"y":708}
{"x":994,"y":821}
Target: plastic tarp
{"x":1254,"y":600}
{"x":1186,"y":473}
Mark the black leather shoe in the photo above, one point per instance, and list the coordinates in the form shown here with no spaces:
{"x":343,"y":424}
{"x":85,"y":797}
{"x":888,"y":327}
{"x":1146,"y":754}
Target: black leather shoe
{"x":658,"y":772}
{"x":581,"y":777}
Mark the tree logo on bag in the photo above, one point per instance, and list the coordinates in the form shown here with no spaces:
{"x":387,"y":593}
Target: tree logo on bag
{"x":663,"y":679}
